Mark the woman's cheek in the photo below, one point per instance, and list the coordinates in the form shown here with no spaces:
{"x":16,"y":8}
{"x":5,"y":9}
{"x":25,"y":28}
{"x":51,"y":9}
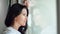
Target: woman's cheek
{"x":22,"y":20}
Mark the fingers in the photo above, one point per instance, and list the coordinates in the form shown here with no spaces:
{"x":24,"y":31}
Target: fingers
{"x":26,"y":3}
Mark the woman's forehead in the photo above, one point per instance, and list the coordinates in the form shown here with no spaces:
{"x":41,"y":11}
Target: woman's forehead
{"x":24,"y":10}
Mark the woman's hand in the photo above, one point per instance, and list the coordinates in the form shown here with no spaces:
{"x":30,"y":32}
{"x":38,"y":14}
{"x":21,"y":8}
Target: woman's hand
{"x":25,"y":2}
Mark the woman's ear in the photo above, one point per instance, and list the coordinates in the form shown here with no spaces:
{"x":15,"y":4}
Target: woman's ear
{"x":15,"y":19}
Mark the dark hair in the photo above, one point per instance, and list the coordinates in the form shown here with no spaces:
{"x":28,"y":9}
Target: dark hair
{"x":13,"y":12}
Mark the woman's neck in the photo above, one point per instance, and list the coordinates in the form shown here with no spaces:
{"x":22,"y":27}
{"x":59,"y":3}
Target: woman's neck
{"x":16,"y":26}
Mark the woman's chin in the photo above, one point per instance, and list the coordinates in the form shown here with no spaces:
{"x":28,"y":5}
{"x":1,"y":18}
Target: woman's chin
{"x":23,"y":24}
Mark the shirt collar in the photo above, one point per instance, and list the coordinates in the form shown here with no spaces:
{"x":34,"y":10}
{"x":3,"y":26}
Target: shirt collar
{"x":12,"y":29}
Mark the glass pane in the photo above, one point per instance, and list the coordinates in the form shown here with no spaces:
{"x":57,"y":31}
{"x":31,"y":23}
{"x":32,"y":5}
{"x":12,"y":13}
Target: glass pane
{"x":43,"y":17}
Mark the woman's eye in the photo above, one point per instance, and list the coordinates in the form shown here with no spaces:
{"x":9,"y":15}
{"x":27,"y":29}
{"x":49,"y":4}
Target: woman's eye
{"x":24,"y":14}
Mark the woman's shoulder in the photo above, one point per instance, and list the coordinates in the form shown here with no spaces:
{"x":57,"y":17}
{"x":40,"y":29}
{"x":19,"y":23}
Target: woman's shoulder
{"x":7,"y":31}
{"x":10,"y":30}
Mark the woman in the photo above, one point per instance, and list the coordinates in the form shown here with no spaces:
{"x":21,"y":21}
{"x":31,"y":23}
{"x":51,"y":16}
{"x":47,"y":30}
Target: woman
{"x":16,"y":20}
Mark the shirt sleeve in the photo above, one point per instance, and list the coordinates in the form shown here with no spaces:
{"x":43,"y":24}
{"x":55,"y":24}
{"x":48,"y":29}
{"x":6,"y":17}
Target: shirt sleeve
{"x":9,"y":32}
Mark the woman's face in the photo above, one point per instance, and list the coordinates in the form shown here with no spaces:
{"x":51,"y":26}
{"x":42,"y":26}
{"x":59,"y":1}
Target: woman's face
{"x":22,"y":18}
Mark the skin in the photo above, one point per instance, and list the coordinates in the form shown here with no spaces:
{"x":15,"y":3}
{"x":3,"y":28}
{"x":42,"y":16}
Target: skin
{"x":26,"y":3}
{"x":20,"y":20}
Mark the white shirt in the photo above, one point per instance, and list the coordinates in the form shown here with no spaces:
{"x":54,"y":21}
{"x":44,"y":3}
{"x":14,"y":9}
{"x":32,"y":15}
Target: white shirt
{"x":11,"y":30}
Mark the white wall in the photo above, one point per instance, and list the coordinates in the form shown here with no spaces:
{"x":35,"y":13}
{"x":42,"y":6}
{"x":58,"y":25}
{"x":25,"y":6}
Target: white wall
{"x":3,"y":11}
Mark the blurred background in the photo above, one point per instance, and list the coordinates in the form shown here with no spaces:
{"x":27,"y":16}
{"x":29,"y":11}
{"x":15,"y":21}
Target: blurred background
{"x":42,"y":16}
